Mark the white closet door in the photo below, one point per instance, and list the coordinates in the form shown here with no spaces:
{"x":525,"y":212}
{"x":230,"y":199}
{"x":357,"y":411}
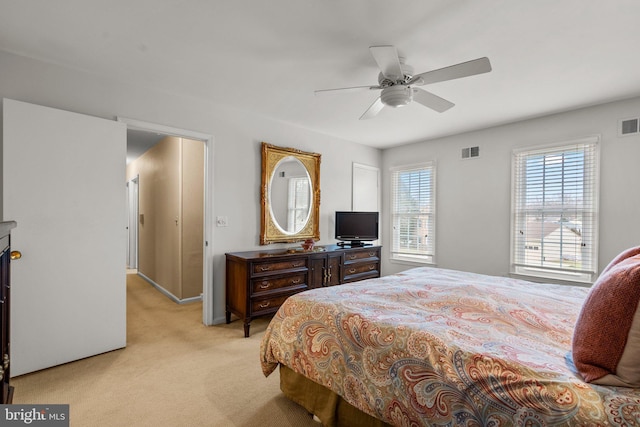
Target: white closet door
{"x":366,"y":188}
{"x":63,"y":175}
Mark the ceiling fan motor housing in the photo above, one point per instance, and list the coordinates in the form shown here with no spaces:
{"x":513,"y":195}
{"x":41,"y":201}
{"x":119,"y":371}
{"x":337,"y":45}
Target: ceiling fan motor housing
{"x":392,"y":80}
{"x":394,"y":92}
{"x":396,"y":96}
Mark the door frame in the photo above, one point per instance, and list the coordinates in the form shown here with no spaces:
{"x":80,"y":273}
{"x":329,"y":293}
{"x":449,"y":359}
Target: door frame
{"x":207,"y":273}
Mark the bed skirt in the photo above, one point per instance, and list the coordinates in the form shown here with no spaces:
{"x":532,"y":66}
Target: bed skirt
{"x":331,"y":409}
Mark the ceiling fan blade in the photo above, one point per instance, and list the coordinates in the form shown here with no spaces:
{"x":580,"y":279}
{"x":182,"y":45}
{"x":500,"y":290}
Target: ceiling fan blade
{"x":431,"y":101}
{"x":464,"y":69}
{"x":373,"y":109}
{"x":347,"y":89}
{"x":388,"y":61}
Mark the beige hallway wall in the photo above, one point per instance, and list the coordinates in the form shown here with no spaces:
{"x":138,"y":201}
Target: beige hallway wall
{"x":192,"y":217}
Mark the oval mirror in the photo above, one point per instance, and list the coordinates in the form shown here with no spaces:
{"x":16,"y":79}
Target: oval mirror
{"x":290,"y":195}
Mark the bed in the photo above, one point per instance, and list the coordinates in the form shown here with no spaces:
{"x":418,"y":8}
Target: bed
{"x":437,"y":347}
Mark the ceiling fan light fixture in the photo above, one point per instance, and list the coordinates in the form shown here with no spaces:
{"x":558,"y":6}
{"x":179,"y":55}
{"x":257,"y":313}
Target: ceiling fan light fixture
{"x":396,"y":96}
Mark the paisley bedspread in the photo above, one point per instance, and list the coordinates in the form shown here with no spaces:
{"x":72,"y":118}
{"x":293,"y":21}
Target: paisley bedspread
{"x":436,"y":347}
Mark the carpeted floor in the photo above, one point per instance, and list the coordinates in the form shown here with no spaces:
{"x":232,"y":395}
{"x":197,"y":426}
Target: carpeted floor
{"x":174,"y":372}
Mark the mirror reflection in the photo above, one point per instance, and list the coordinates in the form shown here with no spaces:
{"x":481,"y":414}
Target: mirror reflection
{"x":290,"y":195}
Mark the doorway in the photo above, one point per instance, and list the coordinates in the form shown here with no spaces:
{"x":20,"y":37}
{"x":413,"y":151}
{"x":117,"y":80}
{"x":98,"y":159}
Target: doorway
{"x":161,"y":131}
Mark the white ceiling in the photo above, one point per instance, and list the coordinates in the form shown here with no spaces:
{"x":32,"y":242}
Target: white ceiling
{"x":269,"y":56}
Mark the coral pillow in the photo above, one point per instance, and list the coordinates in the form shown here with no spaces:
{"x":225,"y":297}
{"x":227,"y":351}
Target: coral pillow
{"x":606,"y":339}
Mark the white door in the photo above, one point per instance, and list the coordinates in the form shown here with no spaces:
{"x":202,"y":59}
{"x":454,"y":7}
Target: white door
{"x":132,"y":228}
{"x":62,"y":182}
{"x":366,"y":188}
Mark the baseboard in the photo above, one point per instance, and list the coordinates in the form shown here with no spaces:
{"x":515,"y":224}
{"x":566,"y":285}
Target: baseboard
{"x":168,"y":294}
{"x":190,"y":300}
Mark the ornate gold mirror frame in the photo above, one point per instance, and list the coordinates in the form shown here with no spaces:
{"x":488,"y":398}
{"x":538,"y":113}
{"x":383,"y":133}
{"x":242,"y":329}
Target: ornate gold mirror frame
{"x":271,"y":231}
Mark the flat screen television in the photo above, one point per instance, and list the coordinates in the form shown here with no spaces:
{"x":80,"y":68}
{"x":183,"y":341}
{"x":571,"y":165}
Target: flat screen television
{"x":356,"y":228}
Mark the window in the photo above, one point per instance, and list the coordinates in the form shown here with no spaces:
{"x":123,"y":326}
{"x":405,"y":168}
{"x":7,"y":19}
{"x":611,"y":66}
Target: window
{"x":413,"y":213}
{"x":555,"y":208}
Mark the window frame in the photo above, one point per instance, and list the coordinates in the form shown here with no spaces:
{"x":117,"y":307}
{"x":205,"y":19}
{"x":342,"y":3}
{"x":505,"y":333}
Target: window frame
{"x":589,"y":213}
{"x":421,"y":257}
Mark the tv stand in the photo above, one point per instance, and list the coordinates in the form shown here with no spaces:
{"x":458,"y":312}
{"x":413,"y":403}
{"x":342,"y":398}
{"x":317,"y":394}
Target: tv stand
{"x":354,"y":244}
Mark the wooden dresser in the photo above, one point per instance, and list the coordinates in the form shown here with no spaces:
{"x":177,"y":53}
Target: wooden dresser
{"x":258,"y":282}
{"x":5,"y":312}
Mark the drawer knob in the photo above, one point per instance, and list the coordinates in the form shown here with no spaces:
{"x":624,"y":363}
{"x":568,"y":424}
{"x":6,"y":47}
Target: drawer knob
{"x":372,"y":254}
{"x":265,"y":285}
{"x":265,"y":304}
{"x":265,"y":267}
{"x":352,"y":270}
{"x":295,"y":281}
{"x":351,"y":256}
{"x":372,"y":267}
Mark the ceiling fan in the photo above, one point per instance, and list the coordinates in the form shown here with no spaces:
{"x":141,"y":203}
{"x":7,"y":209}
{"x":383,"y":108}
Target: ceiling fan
{"x":398,"y":83}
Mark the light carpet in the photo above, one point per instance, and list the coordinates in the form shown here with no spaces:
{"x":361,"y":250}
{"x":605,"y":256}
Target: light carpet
{"x":174,"y":372}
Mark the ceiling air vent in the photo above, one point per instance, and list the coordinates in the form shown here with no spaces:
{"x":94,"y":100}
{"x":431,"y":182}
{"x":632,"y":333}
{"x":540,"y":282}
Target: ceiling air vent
{"x":470,"y":152}
{"x":628,"y":126}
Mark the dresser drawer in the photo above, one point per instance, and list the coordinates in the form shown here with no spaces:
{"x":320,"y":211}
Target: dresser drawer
{"x":260,"y":268}
{"x":357,"y":255}
{"x":277,"y":283}
{"x":361,"y":271}
{"x":268,"y":305}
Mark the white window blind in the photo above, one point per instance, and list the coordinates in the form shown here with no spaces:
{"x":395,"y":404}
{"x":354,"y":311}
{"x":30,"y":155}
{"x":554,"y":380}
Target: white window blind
{"x":413,"y":213}
{"x":555,"y":211}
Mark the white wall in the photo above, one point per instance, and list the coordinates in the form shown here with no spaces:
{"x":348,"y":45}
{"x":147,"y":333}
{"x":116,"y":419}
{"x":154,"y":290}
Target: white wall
{"x":473,"y":196}
{"x":237,"y":136}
